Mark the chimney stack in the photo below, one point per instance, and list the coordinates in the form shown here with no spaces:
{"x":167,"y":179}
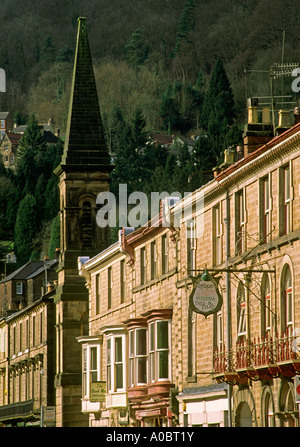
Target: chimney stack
{"x":256,"y":134}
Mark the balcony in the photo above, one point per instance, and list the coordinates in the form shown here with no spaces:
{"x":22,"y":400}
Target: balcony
{"x":259,"y":359}
{"x":19,"y":411}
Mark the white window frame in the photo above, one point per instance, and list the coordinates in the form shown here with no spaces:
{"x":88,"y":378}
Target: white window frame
{"x":220,"y":331}
{"x":153,"y":260}
{"x":113,"y":363}
{"x":87,"y":371}
{"x":122,"y":281}
{"x":287,"y":199}
{"x":155,"y":351}
{"x":135,"y":357}
{"x":266,"y":306}
{"x":266,"y":207}
{"x":287,"y":312}
{"x":19,"y":288}
{"x":109,"y":287}
{"x":164,"y":254}
{"x":241,"y":219}
{"x":191,"y":244}
{"x":143,"y":265}
{"x":217,"y":234}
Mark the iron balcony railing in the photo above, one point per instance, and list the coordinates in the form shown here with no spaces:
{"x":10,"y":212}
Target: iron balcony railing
{"x":257,"y":353}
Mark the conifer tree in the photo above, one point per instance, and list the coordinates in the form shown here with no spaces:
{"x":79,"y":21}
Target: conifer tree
{"x":186,"y":24}
{"x":218,"y":114}
{"x":54,"y":237}
{"x":136,"y":51}
{"x":26,"y":228}
{"x":32,"y":139}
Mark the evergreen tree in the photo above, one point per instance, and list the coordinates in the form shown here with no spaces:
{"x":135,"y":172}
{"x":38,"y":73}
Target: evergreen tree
{"x":55,"y":236}
{"x":219,"y":91}
{"x":169,"y":110}
{"x":27,"y":173}
{"x":48,"y":50}
{"x":136,"y":51}
{"x":218,"y":114}
{"x":26,"y":228}
{"x":203,"y":163}
{"x":32,"y":139}
{"x":51,"y":198}
{"x":128,"y":154}
{"x":186,"y":23}
{"x":9,"y":202}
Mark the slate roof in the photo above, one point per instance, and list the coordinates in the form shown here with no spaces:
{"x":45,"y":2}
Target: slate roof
{"x":47,"y":265}
{"x":25,"y":271}
{"x":3,"y":115}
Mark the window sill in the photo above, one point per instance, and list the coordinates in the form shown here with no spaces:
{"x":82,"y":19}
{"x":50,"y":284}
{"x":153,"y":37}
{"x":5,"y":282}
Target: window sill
{"x":265,"y":247}
{"x":117,"y":399}
{"x":154,"y":281}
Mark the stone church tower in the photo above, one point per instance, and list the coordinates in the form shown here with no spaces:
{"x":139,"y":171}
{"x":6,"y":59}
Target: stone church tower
{"x":83,"y":173}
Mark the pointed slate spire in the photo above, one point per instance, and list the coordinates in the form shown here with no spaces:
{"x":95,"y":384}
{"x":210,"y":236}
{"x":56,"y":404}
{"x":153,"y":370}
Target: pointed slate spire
{"x":84,"y":147}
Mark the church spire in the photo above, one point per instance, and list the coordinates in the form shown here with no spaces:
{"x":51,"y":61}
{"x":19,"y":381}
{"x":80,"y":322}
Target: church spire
{"x":84,"y":147}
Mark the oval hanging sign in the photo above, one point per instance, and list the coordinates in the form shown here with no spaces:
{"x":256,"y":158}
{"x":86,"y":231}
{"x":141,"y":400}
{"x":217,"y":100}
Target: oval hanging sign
{"x":205,"y":298}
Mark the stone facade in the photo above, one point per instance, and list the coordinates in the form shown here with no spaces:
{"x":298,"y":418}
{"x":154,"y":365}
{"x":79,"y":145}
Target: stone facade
{"x":27,"y":373}
{"x":235,"y":367}
{"x":83,"y":173}
{"x":26,"y":284}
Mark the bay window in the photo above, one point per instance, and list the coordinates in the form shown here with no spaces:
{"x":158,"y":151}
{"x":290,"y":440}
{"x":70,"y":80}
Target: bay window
{"x":159,"y":350}
{"x":90,"y":367}
{"x":115,"y":361}
{"x":137,"y":356}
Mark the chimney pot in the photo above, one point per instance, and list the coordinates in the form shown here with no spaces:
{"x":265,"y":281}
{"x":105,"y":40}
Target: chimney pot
{"x":297,"y":115}
{"x":266,"y":116}
{"x":284,"y":118}
{"x":252,"y":115}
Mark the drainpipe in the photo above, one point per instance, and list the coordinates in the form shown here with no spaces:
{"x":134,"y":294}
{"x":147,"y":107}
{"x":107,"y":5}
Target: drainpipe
{"x":228,"y":301}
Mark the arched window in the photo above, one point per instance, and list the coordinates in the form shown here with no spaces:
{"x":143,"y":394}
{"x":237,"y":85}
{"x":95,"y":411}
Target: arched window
{"x":268,"y":412}
{"x":241,"y":312}
{"x":265,"y":306}
{"x":243,"y":415}
{"x":288,"y":415}
{"x":86,"y":224}
{"x":287,"y":301}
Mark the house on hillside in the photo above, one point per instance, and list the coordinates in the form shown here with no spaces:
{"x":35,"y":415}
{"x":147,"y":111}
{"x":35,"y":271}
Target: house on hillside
{"x":6,"y":123}
{"x":8,"y":148}
{"x":11,"y":139}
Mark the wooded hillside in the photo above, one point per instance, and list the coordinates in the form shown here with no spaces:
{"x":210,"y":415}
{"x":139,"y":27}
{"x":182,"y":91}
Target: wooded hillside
{"x":139,"y":47}
{"x":183,"y":67}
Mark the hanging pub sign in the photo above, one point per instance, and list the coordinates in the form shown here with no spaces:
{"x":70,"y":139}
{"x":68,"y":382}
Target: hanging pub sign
{"x":205,"y":298}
